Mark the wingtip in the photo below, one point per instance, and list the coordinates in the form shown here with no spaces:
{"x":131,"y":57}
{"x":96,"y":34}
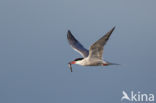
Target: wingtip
{"x":113,"y":28}
{"x":68,"y":31}
{"x":70,"y":37}
{"x":110,"y":32}
{"x":68,"y":34}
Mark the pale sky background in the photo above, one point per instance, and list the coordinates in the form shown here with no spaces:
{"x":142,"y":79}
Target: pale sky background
{"x":34,"y":50}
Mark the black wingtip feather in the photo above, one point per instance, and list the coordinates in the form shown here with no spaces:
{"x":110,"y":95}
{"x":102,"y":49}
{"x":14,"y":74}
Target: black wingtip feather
{"x":110,"y":32}
{"x":70,"y":37}
{"x":68,"y":34}
{"x":112,"y":29}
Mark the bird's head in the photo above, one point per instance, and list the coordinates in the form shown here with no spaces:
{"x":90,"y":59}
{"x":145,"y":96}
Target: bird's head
{"x":76,"y":60}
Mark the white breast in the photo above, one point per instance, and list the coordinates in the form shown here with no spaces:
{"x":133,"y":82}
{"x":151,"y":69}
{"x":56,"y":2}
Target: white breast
{"x":90,"y":62}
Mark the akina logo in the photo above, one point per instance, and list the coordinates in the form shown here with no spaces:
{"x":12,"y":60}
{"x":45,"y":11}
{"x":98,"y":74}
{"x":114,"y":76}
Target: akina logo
{"x":137,"y":96}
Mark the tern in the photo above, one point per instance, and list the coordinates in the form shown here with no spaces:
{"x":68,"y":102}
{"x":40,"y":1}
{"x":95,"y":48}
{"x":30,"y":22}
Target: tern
{"x":93,"y":56}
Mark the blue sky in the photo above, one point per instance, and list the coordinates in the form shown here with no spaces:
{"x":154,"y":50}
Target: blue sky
{"x":35,"y":52}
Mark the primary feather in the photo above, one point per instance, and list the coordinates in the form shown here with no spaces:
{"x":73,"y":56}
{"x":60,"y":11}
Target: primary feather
{"x":76,"y":45}
{"x":96,"y":50}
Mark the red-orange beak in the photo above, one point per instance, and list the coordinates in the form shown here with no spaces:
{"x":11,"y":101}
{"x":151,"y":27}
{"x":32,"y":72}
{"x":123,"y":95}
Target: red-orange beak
{"x":73,"y":62}
{"x":70,"y":63}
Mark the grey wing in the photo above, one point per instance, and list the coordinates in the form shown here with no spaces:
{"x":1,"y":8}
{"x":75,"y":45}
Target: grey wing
{"x":76,"y":45}
{"x":96,"y":50}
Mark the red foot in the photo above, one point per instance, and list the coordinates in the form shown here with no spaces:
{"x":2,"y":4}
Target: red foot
{"x":105,"y":64}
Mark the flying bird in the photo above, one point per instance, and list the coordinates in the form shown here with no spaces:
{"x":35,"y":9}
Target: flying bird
{"x":93,"y":56}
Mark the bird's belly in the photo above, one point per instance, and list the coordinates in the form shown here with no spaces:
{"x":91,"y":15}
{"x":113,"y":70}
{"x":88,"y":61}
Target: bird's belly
{"x":93,"y":63}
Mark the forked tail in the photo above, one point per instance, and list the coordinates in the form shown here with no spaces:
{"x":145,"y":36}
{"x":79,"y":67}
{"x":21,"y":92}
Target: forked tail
{"x":109,"y":63}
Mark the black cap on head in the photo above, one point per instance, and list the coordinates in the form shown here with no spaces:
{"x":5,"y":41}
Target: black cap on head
{"x":77,"y":59}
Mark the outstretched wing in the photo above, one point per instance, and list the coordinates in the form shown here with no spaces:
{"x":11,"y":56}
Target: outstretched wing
{"x":76,"y":45}
{"x":96,"y":50}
